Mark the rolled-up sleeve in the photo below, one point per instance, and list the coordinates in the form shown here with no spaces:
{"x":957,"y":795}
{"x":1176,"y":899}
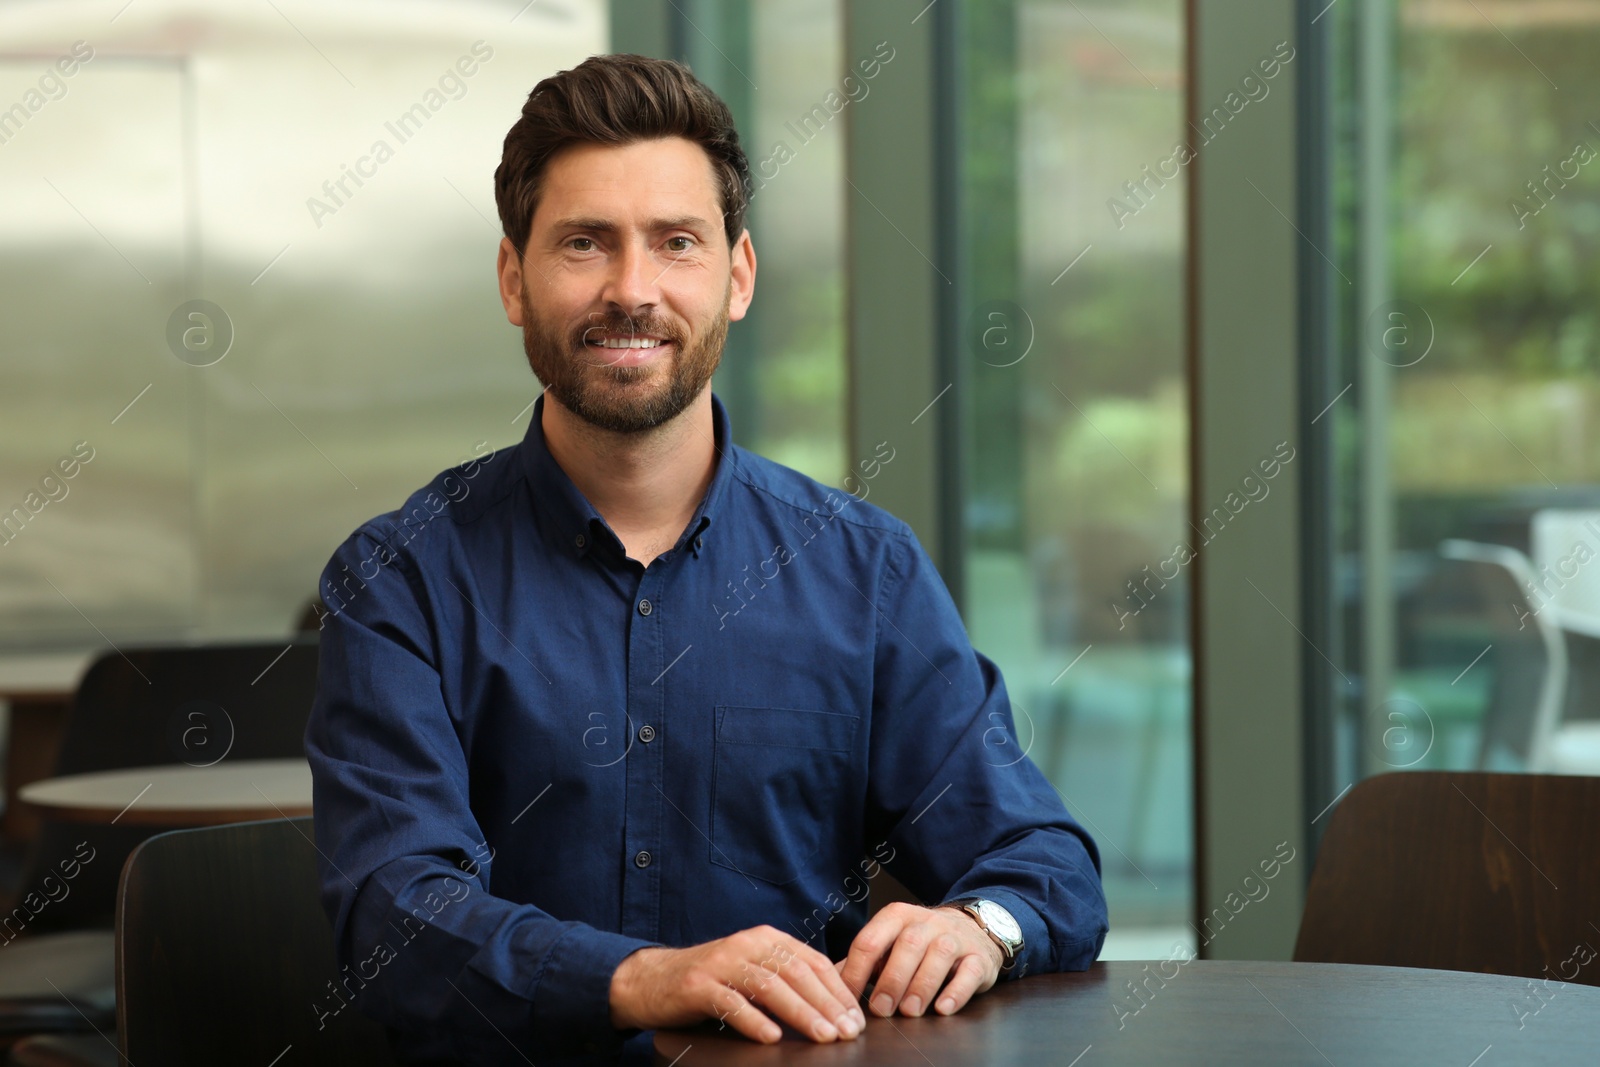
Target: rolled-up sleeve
{"x":966,"y":812}
{"x":422,"y":944}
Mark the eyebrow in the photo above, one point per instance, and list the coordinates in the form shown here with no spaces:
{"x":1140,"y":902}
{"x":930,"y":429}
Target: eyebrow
{"x":678,"y":222}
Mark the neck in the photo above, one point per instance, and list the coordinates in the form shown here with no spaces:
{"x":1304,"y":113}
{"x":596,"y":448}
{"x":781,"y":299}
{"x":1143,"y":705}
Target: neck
{"x":645,"y":485}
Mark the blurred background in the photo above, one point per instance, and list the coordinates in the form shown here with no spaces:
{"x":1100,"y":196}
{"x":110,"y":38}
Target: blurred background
{"x":349,"y":342}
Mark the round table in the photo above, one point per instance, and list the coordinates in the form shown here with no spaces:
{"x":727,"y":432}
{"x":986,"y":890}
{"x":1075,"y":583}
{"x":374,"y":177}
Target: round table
{"x":178,"y":794}
{"x":1209,"y":1012}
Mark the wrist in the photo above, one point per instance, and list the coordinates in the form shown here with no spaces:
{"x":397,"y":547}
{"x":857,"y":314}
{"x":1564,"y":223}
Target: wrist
{"x":999,"y":926}
{"x":996,"y":953}
{"x":625,"y":985}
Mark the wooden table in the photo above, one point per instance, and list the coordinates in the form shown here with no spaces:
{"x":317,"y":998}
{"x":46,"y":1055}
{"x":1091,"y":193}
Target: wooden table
{"x":38,"y":687}
{"x":1208,"y":1013}
{"x":174,"y":795}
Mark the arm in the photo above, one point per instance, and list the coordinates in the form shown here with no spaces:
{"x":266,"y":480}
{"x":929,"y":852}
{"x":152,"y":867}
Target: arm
{"x":965,"y":815}
{"x":421,"y":942}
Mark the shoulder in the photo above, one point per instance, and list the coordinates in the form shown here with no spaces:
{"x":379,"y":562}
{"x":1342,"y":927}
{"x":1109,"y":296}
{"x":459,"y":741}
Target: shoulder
{"x":771,"y":485}
{"x":426,"y":521}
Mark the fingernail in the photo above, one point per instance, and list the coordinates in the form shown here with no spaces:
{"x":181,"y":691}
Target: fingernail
{"x":859,"y":1016}
{"x":847,"y":1025}
{"x":823,"y":1030}
{"x":912,"y":1005}
{"x":882,"y":1004}
{"x":947,"y":1005}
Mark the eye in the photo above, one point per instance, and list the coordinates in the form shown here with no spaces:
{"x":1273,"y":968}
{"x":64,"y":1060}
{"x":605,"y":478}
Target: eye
{"x":585,"y":240}
{"x":687,"y":242}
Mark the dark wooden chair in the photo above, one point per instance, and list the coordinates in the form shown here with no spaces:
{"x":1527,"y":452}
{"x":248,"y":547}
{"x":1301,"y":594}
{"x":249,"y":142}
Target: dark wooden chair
{"x":1460,"y":871}
{"x":165,"y":705}
{"x":223,"y":951}
{"x":134,"y":707}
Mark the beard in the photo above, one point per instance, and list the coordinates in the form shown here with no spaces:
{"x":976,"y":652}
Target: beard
{"x":622,"y":399}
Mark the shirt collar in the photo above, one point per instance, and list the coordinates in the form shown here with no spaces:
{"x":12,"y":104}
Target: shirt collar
{"x":572,"y":524}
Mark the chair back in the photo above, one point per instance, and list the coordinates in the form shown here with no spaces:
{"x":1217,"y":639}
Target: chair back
{"x":1460,"y":871}
{"x":164,"y":705}
{"x":224,"y":954}
{"x":1565,"y":549}
{"x":190,"y":705}
{"x":1528,"y":658}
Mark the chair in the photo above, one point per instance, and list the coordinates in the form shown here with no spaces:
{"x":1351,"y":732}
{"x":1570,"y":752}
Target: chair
{"x":224,"y":953}
{"x":133,"y":708}
{"x":1565,"y":545}
{"x":1459,"y":870}
{"x":165,"y":705}
{"x":1534,"y":730}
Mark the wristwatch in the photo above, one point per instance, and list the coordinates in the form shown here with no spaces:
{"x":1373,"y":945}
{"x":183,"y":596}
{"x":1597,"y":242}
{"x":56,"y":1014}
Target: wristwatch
{"x":996,"y":922}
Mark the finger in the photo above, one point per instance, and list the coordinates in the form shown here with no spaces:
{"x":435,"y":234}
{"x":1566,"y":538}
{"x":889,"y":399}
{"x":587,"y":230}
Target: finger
{"x":825,"y":970}
{"x":774,"y":993}
{"x":815,"y":979}
{"x":829,"y":973}
{"x":904,"y":959}
{"x":937,"y":961}
{"x":734,"y":1009}
{"x":870,"y":947}
{"x":967,"y":980}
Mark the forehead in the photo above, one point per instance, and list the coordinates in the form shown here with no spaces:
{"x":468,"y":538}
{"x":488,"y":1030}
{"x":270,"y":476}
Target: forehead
{"x":669,"y":176}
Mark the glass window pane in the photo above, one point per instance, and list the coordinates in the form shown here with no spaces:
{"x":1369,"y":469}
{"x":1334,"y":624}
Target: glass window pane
{"x":1077,"y":421}
{"x":1468,"y":509}
{"x":782,"y":374}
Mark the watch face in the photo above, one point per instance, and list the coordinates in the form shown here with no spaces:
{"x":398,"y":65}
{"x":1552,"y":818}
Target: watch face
{"x":1000,"y":921}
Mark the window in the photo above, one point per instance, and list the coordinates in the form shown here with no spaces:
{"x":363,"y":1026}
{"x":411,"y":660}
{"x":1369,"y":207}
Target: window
{"x":1076,"y":421}
{"x":782,"y":375}
{"x":1464,"y":161}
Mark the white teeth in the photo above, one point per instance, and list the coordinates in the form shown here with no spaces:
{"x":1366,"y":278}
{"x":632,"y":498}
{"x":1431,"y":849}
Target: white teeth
{"x":630,"y":342}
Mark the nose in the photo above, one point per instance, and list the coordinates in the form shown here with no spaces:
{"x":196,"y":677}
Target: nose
{"x":632,"y":281}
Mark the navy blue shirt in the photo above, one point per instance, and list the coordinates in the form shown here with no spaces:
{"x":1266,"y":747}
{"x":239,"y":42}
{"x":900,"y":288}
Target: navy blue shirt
{"x":533,"y":755}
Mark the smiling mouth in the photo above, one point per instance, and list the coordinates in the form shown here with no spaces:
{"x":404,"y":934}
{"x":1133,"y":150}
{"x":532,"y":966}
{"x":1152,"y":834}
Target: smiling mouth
{"x":626,"y":342}
{"x":630,"y":352}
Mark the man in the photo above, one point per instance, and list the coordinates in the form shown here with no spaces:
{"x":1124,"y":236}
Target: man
{"x":610,"y":722}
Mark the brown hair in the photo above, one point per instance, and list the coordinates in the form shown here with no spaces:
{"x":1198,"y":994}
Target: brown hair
{"x":617,"y":100}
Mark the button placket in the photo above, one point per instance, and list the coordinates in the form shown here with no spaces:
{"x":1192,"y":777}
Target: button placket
{"x":645,"y":802}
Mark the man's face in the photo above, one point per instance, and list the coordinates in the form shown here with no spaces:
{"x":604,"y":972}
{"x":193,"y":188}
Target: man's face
{"x":628,"y":285}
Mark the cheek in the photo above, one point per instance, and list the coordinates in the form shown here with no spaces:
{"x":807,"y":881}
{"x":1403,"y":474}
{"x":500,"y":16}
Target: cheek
{"x":561,"y":324}
{"x":699,"y":299}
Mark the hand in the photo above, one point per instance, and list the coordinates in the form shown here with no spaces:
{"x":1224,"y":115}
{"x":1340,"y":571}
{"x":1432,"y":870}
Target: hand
{"x":912,"y":950}
{"x":725,"y":979}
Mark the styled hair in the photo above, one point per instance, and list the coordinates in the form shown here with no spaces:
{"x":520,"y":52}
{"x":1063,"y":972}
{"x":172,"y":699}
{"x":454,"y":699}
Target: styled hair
{"x":618,"y":100}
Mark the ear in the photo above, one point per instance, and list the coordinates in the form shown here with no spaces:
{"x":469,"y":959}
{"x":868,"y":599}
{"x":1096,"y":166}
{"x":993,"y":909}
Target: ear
{"x":743,"y":273}
{"x":509,"y":268}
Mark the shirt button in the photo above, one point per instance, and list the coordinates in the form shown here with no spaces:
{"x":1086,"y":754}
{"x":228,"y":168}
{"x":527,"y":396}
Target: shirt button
{"x":699,"y":542}
{"x":642,"y":859}
{"x":580,"y":540}
{"x":644,"y":607}
{"x":647,"y":733}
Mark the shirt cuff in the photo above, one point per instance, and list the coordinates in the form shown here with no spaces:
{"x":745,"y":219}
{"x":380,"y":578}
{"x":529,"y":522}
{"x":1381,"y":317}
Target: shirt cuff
{"x":571,"y":993}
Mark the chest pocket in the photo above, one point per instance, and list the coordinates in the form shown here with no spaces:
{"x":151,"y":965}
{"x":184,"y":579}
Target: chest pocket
{"x":779,"y":785}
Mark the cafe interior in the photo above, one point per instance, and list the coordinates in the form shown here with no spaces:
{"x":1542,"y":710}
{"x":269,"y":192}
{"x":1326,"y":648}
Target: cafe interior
{"x":1162,"y":302}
